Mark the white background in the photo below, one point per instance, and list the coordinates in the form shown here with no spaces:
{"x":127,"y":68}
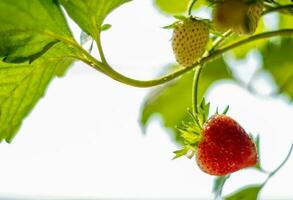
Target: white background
{"x":84,"y":140}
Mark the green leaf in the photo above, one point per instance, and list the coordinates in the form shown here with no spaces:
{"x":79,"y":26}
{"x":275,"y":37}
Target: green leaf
{"x":90,"y":14}
{"x":226,"y":110}
{"x":277,"y":60}
{"x":247,"y":193}
{"x":105,"y":27}
{"x":172,"y":100}
{"x":22,"y":85}
{"x":176,"y":6}
{"x":29,"y":28}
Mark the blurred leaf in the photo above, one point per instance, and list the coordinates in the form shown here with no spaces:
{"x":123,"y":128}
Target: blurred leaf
{"x":285,"y":21}
{"x":22,"y":85}
{"x":247,"y":193}
{"x":277,"y":59}
{"x":29,"y":28}
{"x":176,"y":6}
{"x":172,"y":100}
{"x":90,"y":14}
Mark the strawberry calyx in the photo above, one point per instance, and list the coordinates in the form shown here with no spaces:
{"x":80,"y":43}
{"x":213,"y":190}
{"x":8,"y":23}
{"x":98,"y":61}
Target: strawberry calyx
{"x":191,"y":131}
{"x":181,"y":18}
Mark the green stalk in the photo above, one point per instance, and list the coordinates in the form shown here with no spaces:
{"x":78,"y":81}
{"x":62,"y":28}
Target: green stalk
{"x":100,"y":48}
{"x":195,"y":89}
{"x":191,"y":4}
{"x":286,"y":9}
{"x":87,"y":58}
{"x":279,"y":167}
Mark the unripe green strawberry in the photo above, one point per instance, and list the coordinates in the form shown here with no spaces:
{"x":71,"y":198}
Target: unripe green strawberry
{"x":225,"y":147}
{"x":189,"y":41}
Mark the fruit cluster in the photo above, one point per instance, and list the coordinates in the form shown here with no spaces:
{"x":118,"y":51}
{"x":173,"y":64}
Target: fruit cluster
{"x":220,"y":144}
{"x":191,"y":35}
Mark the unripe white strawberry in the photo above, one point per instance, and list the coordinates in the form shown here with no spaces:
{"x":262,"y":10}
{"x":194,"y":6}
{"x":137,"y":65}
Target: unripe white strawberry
{"x":251,"y":21}
{"x":229,"y":13}
{"x":238,"y":15}
{"x":189,"y":41}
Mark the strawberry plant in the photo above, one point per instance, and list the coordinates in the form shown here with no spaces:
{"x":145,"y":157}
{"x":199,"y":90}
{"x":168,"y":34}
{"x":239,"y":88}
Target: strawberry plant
{"x":37,"y":45}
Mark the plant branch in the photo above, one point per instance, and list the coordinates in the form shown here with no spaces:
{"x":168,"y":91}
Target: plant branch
{"x":100,"y":48}
{"x":288,"y":9}
{"x":280,"y":166}
{"x":219,"y":40}
{"x":149,"y":83}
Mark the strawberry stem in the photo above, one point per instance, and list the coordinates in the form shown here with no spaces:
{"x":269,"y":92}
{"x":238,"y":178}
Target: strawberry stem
{"x":100,"y":48}
{"x":191,"y":4}
{"x":279,"y":167}
{"x":195,"y":89}
{"x":282,"y":164}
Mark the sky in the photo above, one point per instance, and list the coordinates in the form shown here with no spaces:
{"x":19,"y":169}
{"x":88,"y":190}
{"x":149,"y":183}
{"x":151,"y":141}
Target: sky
{"x":83,"y":139}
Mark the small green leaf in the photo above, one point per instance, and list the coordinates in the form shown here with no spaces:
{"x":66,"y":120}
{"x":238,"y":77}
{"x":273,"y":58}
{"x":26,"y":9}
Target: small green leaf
{"x":90,"y":14}
{"x":29,"y":28}
{"x":226,"y":110}
{"x":105,"y":27}
{"x":247,"y":193}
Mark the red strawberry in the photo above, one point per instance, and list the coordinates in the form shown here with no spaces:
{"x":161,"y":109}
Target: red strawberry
{"x":220,"y":144}
{"x":225,"y":147}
